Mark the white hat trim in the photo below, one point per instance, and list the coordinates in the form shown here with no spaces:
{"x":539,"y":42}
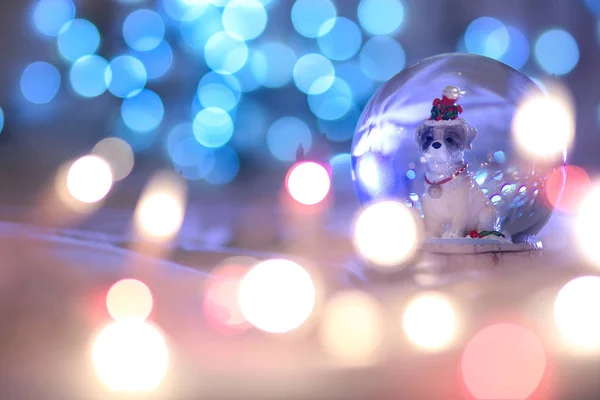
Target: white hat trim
{"x":445,"y":122}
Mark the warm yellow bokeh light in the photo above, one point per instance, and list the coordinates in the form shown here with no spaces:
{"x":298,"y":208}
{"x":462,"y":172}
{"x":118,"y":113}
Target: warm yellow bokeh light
{"x":430,"y":321}
{"x":277,"y":296}
{"x":543,"y":126}
{"x":308,"y":183}
{"x":586,"y":224}
{"x":130,"y":356}
{"x":576,"y":313}
{"x":352,"y":328}
{"x":129,"y":299}
{"x":119,"y":155}
{"x":160,"y":214}
{"x":89,"y":179}
{"x":386,"y":233}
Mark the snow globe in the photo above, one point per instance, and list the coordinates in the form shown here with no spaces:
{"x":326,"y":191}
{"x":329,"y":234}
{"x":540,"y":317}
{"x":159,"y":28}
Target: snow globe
{"x":438,"y":137}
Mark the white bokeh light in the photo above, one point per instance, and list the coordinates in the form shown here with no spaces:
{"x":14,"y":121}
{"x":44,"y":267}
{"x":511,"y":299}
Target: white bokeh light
{"x":576,"y":313}
{"x":430,"y":321}
{"x":129,"y":299}
{"x":586,"y":224}
{"x":277,"y":296}
{"x":386,"y":233}
{"x":130,"y":356}
{"x":89,"y":179}
{"x":308,"y":183}
{"x":119,"y":155}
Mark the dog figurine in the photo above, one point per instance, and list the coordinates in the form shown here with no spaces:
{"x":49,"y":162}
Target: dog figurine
{"x":453,"y":205}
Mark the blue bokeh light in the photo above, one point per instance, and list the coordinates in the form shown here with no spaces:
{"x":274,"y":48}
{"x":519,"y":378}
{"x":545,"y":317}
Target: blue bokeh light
{"x":342,"y":129}
{"x":157,"y":61}
{"x":360,"y":84}
{"x":556,"y":52}
{"x":313,"y":18}
{"x":517,"y":53}
{"x":382,"y":57}
{"x":143,"y":112}
{"x":190,"y":157}
{"x":213,"y":127}
{"x":139,"y":142}
{"x":1,"y":119}
{"x":180,"y":11}
{"x":311,"y":69}
{"x":40,"y":82}
{"x":225,"y":168}
{"x":220,"y":91}
{"x":87,"y":76}
{"x":341,"y":172}
{"x":380,"y":17}
{"x":246,"y":76}
{"x":78,"y":38}
{"x":334,"y":103}
{"x":143,"y":30}
{"x":342,"y":41}
{"x":594,"y":6}
{"x":49,"y":16}
{"x":225,"y":53}
{"x":126,"y":76}
{"x":245,"y":18}
{"x":487,"y":36}
{"x":197,"y":31}
{"x":285,"y":135}
{"x":272,"y":64}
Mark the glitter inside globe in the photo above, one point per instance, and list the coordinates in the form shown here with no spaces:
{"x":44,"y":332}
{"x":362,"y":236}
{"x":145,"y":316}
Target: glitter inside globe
{"x":388,"y":163}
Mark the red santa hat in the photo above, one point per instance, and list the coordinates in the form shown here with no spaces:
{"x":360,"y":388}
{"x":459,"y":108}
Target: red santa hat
{"x":445,"y":111}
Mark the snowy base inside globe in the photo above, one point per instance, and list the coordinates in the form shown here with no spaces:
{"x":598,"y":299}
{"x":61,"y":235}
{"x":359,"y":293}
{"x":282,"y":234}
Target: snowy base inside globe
{"x":477,"y":246}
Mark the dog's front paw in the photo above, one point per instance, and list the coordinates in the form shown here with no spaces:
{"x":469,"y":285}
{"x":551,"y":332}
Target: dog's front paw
{"x":451,"y":235}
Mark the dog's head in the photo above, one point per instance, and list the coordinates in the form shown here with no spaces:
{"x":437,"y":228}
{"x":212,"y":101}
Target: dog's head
{"x":444,"y":143}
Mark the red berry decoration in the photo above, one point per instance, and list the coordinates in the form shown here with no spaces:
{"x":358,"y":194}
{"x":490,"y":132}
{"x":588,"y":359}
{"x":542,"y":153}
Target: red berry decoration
{"x":474,"y":234}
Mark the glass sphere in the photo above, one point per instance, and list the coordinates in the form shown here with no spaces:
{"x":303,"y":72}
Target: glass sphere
{"x":388,"y":161}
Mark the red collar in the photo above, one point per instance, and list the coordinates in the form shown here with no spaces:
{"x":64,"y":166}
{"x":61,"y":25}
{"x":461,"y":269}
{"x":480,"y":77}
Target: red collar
{"x":457,"y":173}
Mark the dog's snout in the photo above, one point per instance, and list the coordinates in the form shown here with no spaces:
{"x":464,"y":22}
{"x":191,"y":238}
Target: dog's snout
{"x":436,"y":145}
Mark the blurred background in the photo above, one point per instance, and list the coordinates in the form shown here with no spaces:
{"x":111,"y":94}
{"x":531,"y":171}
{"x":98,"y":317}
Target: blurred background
{"x":144,"y":143}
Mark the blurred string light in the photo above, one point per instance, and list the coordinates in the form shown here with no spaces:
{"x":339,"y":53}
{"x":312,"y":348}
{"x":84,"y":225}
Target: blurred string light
{"x":380,"y":17}
{"x":213,"y":127}
{"x":576,"y":315}
{"x":247,"y":75}
{"x":355,"y":76}
{"x":517,"y":53}
{"x":313,"y":74}
{"x":381,"y":58}
{"x":1,"y":119}
{"x":87,"y":76}
{"x":196,"y":31}
{"x":387,"y":234}
{"x":179,"y":11}
{"x":161,"y":208}
{"x":352,"y":328}
{"x":488,"y":37}
{"x":129,"y":300}
{"x":556,"y":52}
{"x":503,"y":361}
{"x":340,"y":130}
{"x":89,"y":179}
{"x":313,"y":18}
{"x":539,"y":136}
{"x":130,"y":356}
{"x":126,"y":76}
{"x":219,"y":91}
{"x":586,"y":223}
{"x":308,"y":183}
{"x":333,"y":103}
{"x":342,"y":41}
{"x":594,"y":6}
{"x":277,"y":296}
{"x":78,"y":38}
{"x":245,"y":18}
{"x":118,"y":154}
{"x":430,"y":321}
{"x":272,"y":64}
{"x":49,"y":16}
{"x":225,"y":168}
{"x":143,"y":112}
{"x":285,"y":135}
{"x":40,"y":82}
{"x":225,"y":52}
{"x":157,"y":61}
{"x":566,"y":186}
{"x":143,"y":30}
{"x":192,"y":159}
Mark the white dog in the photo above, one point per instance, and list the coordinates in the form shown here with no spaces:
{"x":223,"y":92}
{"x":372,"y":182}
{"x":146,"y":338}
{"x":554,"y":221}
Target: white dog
{"x":453,"y":204}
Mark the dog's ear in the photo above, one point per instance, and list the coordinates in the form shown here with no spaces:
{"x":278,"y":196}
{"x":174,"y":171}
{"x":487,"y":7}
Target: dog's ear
{"x":470,"y":133}
{"x":419,"y":133}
